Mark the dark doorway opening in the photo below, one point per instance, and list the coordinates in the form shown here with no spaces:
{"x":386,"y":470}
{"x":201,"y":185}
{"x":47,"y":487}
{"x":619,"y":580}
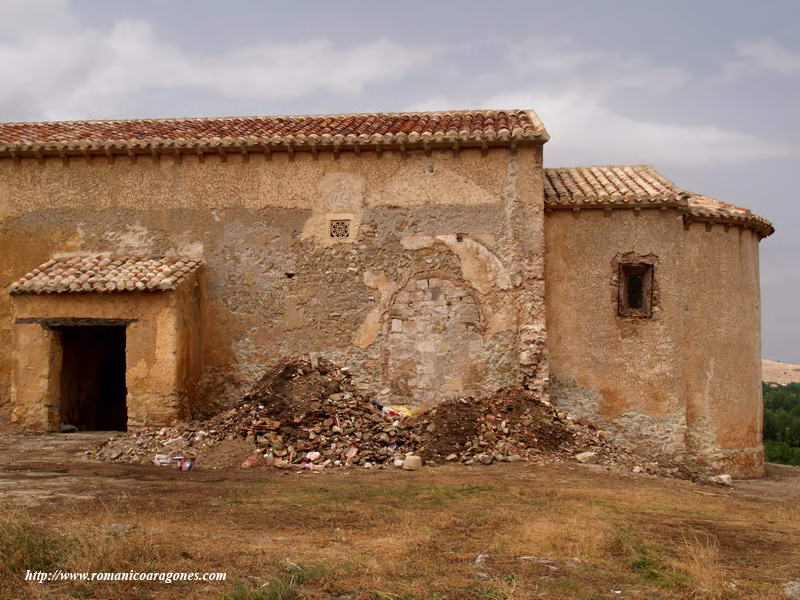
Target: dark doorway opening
{"x":93,"y":377}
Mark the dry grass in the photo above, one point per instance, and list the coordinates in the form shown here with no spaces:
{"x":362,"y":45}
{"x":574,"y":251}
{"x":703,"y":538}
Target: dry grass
{"x":566,"y":531}
{"x":699,"y":557}
{"x":79,"y":545}
{"x":415,"y":536}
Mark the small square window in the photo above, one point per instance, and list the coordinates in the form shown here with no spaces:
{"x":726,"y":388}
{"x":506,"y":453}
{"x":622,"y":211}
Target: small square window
{"x":635,"y":290}
{"x":340,"y":228}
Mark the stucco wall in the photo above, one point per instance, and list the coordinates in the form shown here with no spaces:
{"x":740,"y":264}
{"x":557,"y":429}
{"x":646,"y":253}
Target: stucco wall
{"x":275,"y":284}
{"x":723,"y":378}
{"x":624,"y":372}
{"x":683,"y":384}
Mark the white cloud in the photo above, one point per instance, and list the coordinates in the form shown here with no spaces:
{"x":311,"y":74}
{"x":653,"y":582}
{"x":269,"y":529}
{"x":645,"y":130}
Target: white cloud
{"x":22,"y":17}
{"x":53,"y":69}
{"x":71,"y":73}
{"x":763,"y":56}
{"x":585,"y":130}
{"x":639,"y":73}
{"x":562,"y":59}
{"x":574,"y":92}
{"x":548,"y":55}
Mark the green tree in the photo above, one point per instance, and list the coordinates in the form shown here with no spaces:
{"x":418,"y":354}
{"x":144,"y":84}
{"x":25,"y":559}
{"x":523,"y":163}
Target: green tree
{"x":782,"y":422}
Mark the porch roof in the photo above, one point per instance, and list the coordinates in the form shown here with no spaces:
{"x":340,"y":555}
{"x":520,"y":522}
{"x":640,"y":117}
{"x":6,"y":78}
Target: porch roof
{"x":106,"y":273}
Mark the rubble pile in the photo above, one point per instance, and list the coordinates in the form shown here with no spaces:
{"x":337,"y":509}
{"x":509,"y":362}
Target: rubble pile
{"x":510,"y":425}
{"x":300,"y":414}
{"x":311,"y":416}
{"x":306,"y":413}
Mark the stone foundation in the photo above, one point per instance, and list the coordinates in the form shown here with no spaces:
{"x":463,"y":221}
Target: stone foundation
{"x":662,"y":438}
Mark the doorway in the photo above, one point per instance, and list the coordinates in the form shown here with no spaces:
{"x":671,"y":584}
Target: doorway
{"x":93,"y":387}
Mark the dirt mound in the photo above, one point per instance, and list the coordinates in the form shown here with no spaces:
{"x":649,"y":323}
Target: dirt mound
{"x":511,"y":422}
{"x":311,"y":415}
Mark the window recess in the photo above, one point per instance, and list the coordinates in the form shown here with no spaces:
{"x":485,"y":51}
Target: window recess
{"x":636,"y":290}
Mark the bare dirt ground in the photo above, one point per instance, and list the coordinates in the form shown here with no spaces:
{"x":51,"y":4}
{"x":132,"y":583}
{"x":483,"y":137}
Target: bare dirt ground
{"x":505,"y":531}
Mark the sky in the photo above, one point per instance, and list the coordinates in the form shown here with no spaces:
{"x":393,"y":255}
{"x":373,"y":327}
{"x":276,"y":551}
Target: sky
{"x":708,"y":92}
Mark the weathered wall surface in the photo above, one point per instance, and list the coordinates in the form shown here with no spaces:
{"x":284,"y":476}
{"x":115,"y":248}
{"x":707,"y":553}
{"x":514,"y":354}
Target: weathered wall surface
{"x":683,"y":384}
{"x":723,"y":377}
{"x":34,"y":380}
{"x":156,"y":360}
{"x":276,"y":285}
{"x":623,"y":372}
{"x":439,"y":292}
{"x":433,"y":344}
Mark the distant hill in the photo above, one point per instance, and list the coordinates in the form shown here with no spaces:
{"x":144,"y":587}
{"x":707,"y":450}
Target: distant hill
{"x":778,"y":372}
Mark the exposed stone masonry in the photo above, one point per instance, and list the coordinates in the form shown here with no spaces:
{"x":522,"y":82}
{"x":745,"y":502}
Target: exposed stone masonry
{"x":433,"y":347}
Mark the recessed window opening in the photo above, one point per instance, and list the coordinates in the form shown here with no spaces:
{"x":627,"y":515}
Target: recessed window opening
{"x":93,"y":391}
{"x":635,"y":290}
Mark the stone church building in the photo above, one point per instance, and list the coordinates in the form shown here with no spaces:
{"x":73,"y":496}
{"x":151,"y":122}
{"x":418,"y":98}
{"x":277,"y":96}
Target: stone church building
{"x":153,"y":270}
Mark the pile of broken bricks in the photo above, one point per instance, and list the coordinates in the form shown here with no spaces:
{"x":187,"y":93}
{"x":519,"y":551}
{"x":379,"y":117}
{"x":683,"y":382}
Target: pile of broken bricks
{"x":304,"y":415}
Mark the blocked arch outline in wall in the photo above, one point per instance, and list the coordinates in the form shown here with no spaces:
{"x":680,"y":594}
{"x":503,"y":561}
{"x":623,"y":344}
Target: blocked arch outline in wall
{"x":410,"y":280}
{"x":435,"y":274}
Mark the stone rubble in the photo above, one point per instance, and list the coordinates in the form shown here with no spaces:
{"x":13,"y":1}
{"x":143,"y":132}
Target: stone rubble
{"x":723,"y":479}
{"x":412,"y":463}
{"x":586,"y":457}
{"x":312,"y":417}
{"x":791,"y":589}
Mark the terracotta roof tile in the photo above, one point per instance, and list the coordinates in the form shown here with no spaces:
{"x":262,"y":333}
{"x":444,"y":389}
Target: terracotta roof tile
{"x":493,"y":127}
{"x":106,"y":273}
{"x":636,"y":184}
{"x":639,"y":185}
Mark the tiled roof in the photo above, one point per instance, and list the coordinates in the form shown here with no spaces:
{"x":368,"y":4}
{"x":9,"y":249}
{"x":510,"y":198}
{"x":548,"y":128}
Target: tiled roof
{"x":639,"y":186}
{"x":463,"y":128}
{"x":106,"y":273}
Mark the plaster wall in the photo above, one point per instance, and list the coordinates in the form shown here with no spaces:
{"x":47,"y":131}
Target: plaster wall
{"x":684,"y":384}
{"x":34,"y":379}
{"x":626,"y":373}
{"x":723,"y":323}
{"x":276,"y":285}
